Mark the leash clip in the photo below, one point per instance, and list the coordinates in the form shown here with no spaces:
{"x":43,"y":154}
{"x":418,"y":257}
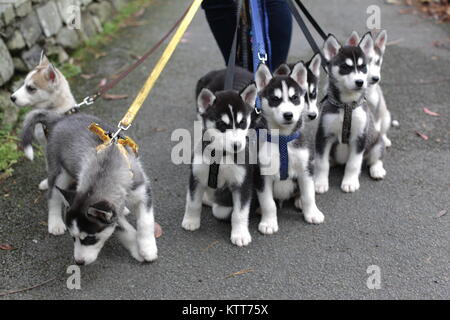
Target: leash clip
{"x":86,"y":101}
{"x":121,"y":128}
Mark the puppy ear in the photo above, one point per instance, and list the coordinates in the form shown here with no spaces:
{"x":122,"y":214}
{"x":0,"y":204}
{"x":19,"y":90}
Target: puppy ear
{"x":248,"y":94}
{"x":300,"y":75}
{"x":282,"y":70}
{"x":353,"y":40}
{"x":205,"y":99}
{"x":366,"y":44}
{"x":380,"y":41}
{"x":68,"y":196}
{"x":44,"y":60}
{"x":330,"y":47}
{"x":315,"y":64}
{"x":262,"y":77}
{"x":50,"y":73}
{"x":101,"y":212}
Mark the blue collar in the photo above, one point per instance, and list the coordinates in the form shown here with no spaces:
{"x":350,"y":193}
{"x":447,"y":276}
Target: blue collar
{"x":283,"y":149}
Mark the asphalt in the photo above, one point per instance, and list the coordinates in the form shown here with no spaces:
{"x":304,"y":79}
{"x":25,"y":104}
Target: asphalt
{"x":397,"y":224}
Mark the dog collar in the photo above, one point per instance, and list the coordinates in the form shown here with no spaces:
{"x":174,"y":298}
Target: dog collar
{"x":283,"y":150}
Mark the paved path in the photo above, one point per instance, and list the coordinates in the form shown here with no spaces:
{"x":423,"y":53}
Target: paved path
{"x":392,"y":224}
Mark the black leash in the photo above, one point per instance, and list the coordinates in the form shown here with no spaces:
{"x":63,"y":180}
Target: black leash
{"x":305,"y":29}
{"x":311,"y":19}
{"x":229,"y":79}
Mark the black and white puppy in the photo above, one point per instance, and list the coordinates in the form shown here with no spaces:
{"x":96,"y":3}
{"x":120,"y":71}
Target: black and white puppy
{"x":311,"y":94}
{"x":282,"y":106}
{"x":348,"y":81}
{"x":226,"y":117}
{"x":107,"y":183}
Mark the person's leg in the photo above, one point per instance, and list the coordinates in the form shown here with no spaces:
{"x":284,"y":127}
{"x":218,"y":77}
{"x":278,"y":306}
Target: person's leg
{"x":280,"y":30}
{"x":221,"y":17}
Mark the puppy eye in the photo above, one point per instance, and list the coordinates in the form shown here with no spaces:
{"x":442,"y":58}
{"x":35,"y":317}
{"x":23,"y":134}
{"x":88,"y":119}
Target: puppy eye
{"x":89,"y":240}
{"x":275,"y":98}
{"x":31,"y":89}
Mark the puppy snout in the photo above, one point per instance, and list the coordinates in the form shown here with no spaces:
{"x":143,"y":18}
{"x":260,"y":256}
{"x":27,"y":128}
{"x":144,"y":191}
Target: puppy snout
{"x":312,"y":115}
{"x":288,"y":116}
{"x":375,"y":79}
{"x":13,"y":98}
{"x":359,"y":83}
{"x":237,"y":146}
{"x":80,"y":262}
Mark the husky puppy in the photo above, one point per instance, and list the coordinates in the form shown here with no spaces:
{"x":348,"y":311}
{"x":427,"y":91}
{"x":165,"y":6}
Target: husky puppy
{"x":347,"y":73}
{"x":374,"y":93}
{"x":311,"y":94}
{"x":45,"y":88}
{"x":226,"y":117}
{"x":107,"y":182}
{"x":282,"y":106}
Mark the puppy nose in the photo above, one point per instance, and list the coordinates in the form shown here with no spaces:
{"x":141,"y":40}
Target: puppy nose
{"x":288,"y":116}
{"x":375,"y":79}
{"x":359,"y":83}
{"x":79,"y":262}
{"x":13,"y":99}
{"x":237,"y":146}
{"x":312,"y":115}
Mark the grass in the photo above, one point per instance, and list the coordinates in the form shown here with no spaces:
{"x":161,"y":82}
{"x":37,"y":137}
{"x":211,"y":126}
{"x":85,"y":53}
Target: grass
{"x":9,"y":152}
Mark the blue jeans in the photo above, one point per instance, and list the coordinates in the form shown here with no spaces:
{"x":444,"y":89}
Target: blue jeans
{"x":221,"y":17}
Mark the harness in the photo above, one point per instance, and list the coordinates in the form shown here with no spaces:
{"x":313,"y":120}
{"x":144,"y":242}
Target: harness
{"x":283,"y":151}
{"x":348,"y":112}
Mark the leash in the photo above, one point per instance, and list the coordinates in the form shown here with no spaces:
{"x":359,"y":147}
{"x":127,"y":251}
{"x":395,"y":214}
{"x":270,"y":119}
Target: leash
{"x":90,"y":99}
{"x":305,"y":29}
{"x":258,"y":43}
{"x":125,"y":123}
{"x":229,"y":79}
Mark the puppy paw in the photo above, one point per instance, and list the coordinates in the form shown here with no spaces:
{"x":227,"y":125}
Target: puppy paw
{"x":314,"y":216}
{"x":377,"y":171}
{"x":148,"y":251}
{"x":190,"y":224}
{"x":321,"y":186}
{"x":350,"y":185}
{"x":241,"y":238}
{"x":56,"y":228}
{"x":387,"y":141}
{"x":268,"y":227}
{"x":298,"y":203}
{"x":43,"y":185}
{"x":135,"y":254}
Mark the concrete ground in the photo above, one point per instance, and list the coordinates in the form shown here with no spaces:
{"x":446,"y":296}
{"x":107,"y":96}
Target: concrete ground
{"x":396,"y":224}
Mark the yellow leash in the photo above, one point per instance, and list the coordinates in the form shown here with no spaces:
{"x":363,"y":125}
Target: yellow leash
{"x":126,"y":121}
{"x":145,"y":90}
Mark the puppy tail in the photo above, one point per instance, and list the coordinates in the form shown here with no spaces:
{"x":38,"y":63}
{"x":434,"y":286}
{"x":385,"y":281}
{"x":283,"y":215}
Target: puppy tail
{"x":44,"y":117}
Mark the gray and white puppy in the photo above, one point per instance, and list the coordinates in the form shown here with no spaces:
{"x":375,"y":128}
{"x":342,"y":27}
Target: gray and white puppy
{"x":45,"y":88}
{"x":347,"y":73}
{"x":107,"y":182}
{"x":226,"y":118}
{"x":282,"y":106}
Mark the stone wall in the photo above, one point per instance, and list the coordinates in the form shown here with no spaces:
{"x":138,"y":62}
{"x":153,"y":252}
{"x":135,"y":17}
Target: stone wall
{"x":58,"y":26}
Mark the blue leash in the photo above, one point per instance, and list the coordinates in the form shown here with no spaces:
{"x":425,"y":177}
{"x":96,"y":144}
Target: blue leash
{"x":283,"y":149}
{"x":260,"y":35}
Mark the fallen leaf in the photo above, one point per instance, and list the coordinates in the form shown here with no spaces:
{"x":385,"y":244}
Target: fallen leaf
{"x":442,"y":213}
{"x":158,"y":230}
{"x":139,"y":13}
{"x":114,"y":96}
{"x":239,"y":273}
{"x":424,"y":137}
{"x":6,"y":247}
{"x":431,"y":113}
{"x":43,"y":223}
{"x":99,"y":55}
{"x":102,"y":82}
{"x":158,"y":129}
{"x":87,"y":76}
